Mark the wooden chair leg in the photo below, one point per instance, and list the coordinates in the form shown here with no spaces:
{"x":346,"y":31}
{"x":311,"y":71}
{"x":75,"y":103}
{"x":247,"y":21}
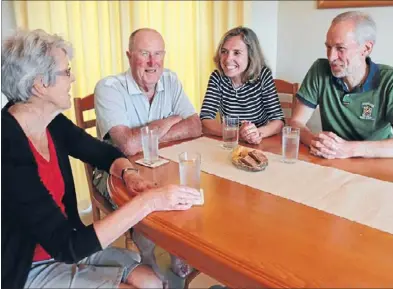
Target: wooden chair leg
{"x":190,"y":277}
{"x":96,"y":213}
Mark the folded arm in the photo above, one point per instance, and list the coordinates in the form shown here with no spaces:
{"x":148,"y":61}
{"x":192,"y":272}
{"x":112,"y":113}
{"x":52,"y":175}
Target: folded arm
{"x":129,"y":141}
{"x":186,"y":128}
{"x":212,"y":127}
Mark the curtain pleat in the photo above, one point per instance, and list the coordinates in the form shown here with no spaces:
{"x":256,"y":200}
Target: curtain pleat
{"x":99,"y":32}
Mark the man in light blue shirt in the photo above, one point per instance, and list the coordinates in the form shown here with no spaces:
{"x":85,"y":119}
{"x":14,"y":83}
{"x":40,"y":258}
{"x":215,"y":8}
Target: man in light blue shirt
{"x":146,"y":94}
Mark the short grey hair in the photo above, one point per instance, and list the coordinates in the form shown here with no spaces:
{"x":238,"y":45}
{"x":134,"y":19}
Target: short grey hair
{"x":255,"y":57}
{"x":365,"y":26}
{"x":133,"y":34}
{"x":26,"y":55}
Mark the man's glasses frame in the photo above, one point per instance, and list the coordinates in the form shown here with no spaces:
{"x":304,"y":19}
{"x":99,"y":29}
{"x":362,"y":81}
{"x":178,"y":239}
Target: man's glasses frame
{"x":155,"y":54}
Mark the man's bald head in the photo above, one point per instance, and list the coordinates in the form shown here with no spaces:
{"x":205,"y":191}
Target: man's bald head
{"x":143,"y":33}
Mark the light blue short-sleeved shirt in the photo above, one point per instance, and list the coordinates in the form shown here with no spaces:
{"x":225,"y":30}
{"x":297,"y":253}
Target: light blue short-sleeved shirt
{"x":119,"y":101}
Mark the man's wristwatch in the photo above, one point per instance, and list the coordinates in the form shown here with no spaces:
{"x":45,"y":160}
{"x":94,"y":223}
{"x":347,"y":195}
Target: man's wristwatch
{"x":123,"y":171}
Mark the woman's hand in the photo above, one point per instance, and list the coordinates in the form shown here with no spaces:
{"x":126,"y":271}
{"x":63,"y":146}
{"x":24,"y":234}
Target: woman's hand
{"x":172,"y":197}
{"x":249,"y":133}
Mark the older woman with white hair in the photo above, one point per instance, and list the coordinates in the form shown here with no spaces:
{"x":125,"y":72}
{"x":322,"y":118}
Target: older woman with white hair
{"x":44,"y":243}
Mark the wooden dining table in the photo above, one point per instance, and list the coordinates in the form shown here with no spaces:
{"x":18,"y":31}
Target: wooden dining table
{"x":248,"y":238}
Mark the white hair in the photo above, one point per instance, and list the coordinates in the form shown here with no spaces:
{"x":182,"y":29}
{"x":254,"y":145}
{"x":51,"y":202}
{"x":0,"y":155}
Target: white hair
{"x":26,"y":55}
{"x":365,"y":26}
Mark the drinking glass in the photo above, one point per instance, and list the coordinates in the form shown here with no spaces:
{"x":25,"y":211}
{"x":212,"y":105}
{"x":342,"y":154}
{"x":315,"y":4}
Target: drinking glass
{"x":230,"y":131}
{"x":149,"y":145}
{"x":190,"y":169}
{"x":290,"y":144}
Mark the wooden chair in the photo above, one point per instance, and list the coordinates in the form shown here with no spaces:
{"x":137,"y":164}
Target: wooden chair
{"x":287,"y":94}
{"x":98,"y":202}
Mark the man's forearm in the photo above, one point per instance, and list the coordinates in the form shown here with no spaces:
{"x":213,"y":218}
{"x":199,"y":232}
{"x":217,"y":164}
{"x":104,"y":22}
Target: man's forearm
{"x":187,"y":128}
{"x":306,"y":136}
{"x":212,"y":127}
{"x":373,"y":149}
{"x":129,"y":141}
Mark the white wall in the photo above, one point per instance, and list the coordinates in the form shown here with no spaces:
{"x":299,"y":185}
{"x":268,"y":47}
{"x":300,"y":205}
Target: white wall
{"x":7,"y":27}
{"x":264,"y":22}
{"x":302,"y":31}
{"x":8,"y":23}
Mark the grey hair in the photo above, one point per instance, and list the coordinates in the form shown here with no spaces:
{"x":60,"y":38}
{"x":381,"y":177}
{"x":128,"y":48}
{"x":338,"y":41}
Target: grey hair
{"x":255,"y":57}
{"x":133,"y":34}
{"x":26,"y":55}
{"x":365,"y":26}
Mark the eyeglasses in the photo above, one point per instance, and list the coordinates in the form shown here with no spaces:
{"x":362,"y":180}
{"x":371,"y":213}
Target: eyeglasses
{"x":159,"y":55}
{"x":66,"y":72}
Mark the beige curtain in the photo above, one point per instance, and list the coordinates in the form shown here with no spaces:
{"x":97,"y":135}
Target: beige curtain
{"x":99,"y":31}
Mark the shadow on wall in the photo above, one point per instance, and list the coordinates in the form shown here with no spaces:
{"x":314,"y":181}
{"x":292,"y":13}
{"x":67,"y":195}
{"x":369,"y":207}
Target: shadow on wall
{"x":314,"y":124}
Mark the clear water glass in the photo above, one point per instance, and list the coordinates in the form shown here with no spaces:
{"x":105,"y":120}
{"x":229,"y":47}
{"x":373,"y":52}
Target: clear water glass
{"x":290,"y":144}
{"x":149,"y":145}
{"x":230,"y":131}
{"x":190,"y":169}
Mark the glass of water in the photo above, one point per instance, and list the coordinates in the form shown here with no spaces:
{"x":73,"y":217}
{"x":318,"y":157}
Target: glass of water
{"x":230,"y":131}
{"x":290,"y":144}
{"x":149,"y":145}
{"x":190,"y":169}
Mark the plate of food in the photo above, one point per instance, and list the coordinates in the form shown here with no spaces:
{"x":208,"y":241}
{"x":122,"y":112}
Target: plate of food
{"x":249,"y":159}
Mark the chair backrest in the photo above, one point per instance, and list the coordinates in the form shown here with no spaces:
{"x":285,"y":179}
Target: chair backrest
{"x":287,"y":95}
{"x":82,"y":105}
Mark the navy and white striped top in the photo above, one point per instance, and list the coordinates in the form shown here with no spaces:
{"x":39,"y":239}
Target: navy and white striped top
{"x":257,"y":102}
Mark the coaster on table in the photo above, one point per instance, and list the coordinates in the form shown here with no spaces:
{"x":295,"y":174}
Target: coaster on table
{"x":158,"y":163}
{"x":202,"y":199}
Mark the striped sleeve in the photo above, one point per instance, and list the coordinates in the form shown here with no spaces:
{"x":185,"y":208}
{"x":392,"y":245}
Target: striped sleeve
{"x":211,"y":101}
{"x":270,"y":96}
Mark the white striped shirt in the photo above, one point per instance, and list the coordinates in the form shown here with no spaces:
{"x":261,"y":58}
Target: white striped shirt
{"x":257,"y":102}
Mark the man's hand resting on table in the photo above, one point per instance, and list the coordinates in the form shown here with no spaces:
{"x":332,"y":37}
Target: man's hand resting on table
{"x":330,"y":146}
{"x":136,"y":184}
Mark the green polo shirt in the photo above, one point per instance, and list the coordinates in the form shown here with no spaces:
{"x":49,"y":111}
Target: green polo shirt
{"x":365,"y":113}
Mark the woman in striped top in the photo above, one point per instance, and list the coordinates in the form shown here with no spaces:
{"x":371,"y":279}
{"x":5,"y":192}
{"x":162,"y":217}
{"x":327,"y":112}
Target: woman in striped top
{"x":242,"y":86}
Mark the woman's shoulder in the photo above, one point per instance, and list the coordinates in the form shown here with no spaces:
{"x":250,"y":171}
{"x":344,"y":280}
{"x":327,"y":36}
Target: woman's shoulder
{"x":216,"y":74}
{"x":264,"y":75}
{"x":14,"y":143}
{"x":9,"y":126}
{"x":216,"y":78}
{"x":265,"y":72}
{"x":61,"y":122}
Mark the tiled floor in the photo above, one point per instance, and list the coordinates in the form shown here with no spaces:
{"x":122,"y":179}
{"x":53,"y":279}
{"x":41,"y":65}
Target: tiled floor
{"x":163,"y":260}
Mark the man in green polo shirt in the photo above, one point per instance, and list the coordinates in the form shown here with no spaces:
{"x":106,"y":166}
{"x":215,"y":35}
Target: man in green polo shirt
{"x":354,"y":94}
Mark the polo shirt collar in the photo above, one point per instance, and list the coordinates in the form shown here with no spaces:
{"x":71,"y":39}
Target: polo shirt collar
{"x":133,"y":88}
{"x":372,"y":80}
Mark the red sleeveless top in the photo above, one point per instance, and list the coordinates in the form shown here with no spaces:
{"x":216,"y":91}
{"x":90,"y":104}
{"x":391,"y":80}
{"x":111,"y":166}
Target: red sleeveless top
{"x":51,"y":177}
